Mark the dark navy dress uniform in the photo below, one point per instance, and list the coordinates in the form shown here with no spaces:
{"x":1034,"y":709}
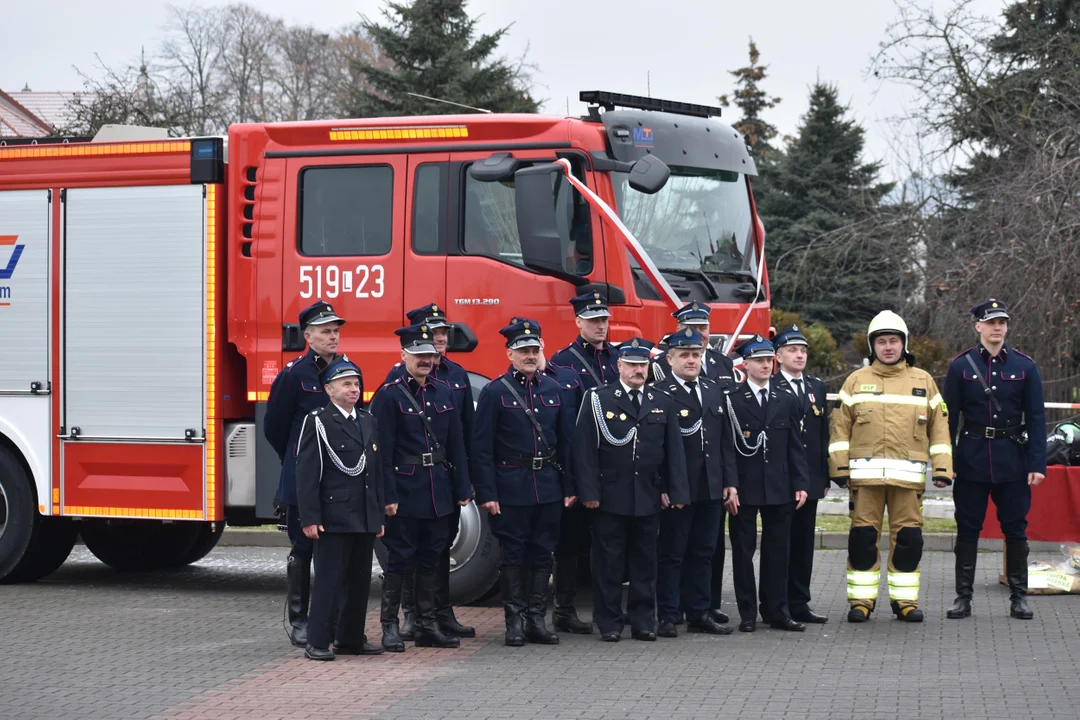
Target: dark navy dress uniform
{"x":594,"y":366}
{"x":810,"y":392}
{"x":426,"y":476}
{"x":418,"y":476}
{"x":295,"y":393}
{"x":720,"y":368}
{"x":772,"y":468}
{"x":628,"y":451}
{"x":990,"y":456}
{"x":339,"y":482}
{"x":688,"y":535}
{"x":529,"y":474}
{"x":456,"y":379}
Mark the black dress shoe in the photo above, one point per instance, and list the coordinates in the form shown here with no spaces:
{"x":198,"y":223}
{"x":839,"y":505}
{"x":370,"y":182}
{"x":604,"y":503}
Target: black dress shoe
{"x":610,"y":637}
{"x":667,"y":630}
{"x":748,"y":626}
{"x":787,"y":624}
{"x":810,"y":617}
{"x":720,"y":617}
{"x":646,"y":635}
{"x":314,"y":653}
{"x":705,"y":624}
{"x":680,"y":621}
{"x":364,"y":649}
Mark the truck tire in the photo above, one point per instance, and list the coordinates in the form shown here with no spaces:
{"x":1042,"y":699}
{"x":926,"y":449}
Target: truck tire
{"x":139,"y":545}
{"x":49,"y":547}
{"x":474,"y":558}
{"x":17,"y":513}
{"x":205,"y":541}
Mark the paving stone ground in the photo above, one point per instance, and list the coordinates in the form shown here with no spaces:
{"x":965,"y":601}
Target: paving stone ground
{"x":207,"y":642}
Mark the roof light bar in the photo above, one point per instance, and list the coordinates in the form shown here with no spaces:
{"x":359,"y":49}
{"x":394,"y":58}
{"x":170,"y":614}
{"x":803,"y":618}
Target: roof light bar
{"x":610,"y":101}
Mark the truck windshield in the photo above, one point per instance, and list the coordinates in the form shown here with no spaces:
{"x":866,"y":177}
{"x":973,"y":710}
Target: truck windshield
{"x":699,"y":222}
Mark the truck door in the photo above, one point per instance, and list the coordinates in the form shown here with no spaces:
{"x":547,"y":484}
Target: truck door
{"x":25,"y":316}
{"x":344,"y":243}
{"x":426,"y":225}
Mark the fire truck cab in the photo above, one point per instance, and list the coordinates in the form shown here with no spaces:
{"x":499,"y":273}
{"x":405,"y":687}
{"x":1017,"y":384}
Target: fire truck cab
{"x":149,"y":292}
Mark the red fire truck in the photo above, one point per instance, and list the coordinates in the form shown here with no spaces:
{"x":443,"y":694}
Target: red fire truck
{"x":149,"y":290}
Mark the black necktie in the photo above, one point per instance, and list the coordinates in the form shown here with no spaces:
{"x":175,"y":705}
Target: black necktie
{"x":764,"y":398}
{"x":799,"y":388}
{"x":692,"y":387}
{"x":635,"y":400}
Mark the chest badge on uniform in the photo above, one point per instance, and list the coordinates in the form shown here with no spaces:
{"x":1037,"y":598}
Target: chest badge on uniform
{"x":817,"y":411}
{"x":684,"y":412}
{"x":622,"y":416}
{"x":868,"y":388}
{"x":746,"y":433}
{"x":657,"y":411}
{"x":609,"y":415}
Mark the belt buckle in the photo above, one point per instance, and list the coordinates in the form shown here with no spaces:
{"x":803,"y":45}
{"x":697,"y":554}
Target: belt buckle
{"x":427,"y":460}
{"x":989,"y":433}
{"x":538,"y":463}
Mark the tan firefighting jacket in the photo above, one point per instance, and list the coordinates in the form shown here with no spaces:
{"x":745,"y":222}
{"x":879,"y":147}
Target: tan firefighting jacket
{"x":891,"y":426}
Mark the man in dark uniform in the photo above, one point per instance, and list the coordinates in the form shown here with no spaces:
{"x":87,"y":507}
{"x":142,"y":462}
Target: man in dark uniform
{"x":688,"y":535}
{"x":591,"y":359}
{"x":791,"y":350}
{"x":297,"y":391}
{"x":772,"y":480}
{"x":339,"y":488}
{"x":520,"y":467}
{"x":574,"y":525}
{"x":1000,"y":450}
{"x":456,"y":378}
{"x":630,"y":465}
{"x":716,"y":366}
{"x":426,"y":478}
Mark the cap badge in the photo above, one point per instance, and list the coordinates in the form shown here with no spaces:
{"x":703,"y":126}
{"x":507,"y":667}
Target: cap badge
{"x":689,"y":332}
{"x":434,"y":308}
{"x":634,"y":343}
{"x":795,"y":328}
{"x":993,"y":305}
{"x":596,"y":295}
{"x":526,"y":324}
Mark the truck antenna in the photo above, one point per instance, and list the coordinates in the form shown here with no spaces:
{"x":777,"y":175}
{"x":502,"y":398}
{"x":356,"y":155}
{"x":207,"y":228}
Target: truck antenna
{"x":448,"y":102}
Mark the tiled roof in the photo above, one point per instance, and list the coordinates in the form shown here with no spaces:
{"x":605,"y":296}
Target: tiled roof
{"x":34,"y":114}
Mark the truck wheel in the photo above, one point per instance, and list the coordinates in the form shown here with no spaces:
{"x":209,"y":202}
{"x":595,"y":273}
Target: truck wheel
{"x":474,"y":558}
{"x":205,"y":541}
{"x":139,"y":545}
{"x":17,"y":513}
{"x":49,"y":547}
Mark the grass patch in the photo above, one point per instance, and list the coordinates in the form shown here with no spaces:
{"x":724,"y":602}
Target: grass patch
{"x":842,"y":524}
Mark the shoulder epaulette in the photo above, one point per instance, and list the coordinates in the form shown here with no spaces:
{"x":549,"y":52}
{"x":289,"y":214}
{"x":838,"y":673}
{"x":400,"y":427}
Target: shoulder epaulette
{"x":1023,"y":355}
{"x":963,"y":353}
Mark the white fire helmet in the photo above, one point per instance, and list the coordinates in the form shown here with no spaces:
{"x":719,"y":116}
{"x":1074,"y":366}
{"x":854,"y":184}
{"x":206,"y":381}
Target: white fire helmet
{"x":888,"y":322}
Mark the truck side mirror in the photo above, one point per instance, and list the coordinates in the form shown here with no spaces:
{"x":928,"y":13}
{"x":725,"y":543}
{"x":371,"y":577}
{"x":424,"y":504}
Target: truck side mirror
{"x":534,"y":198}
{"x":649,"y":174}
{"x":497,"y":166}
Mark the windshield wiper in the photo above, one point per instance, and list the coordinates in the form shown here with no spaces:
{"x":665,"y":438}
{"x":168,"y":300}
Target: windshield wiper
{"x":697,"y":274}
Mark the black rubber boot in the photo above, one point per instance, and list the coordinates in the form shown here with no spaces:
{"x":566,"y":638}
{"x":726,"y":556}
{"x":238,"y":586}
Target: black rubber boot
{"x":1016,"y":571}
{"x":512,"y":578}
{"x":427,"y":630}
{"x":565,"y":617}
{"x":408,"y":604}
{"x":907,"y":612}
{"x":966,"y":553}
{"x":391,"y":601}
{"x":535,"y":626}
{"x":298,"y":593}
{"x":444,"y":611}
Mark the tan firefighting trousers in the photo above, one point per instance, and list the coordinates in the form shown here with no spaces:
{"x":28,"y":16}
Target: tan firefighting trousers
{"x":868,"y":507}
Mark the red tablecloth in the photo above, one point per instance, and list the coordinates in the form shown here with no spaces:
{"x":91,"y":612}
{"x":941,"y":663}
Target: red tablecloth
{"x":1055,"y":508}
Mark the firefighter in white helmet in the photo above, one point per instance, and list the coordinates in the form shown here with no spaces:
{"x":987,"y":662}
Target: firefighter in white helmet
{"x":891,"y":427}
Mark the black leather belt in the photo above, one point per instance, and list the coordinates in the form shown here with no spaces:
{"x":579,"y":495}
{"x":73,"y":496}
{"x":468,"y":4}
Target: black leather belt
{"x":427,"y":459}
{"x":534,"y":463}
{"x":990,"y":433}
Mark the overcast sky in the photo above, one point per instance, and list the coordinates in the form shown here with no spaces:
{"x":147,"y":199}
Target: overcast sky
{"x":686,"y":47}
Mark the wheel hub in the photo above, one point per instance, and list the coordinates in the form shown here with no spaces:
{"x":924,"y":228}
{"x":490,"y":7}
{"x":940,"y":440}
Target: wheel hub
{"x":467,"y":540}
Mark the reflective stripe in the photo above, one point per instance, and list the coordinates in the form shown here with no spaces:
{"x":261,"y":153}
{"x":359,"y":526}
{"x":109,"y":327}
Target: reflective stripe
{"x":844,"y":398}
{"x":843,"y":445}
{"x":904,"y":586}
{"x":941,"y":449}
{"x":937,"y":400}
{"x":886,"y":399}
{"x":862,"y":585}
{"x":911,"y":471}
